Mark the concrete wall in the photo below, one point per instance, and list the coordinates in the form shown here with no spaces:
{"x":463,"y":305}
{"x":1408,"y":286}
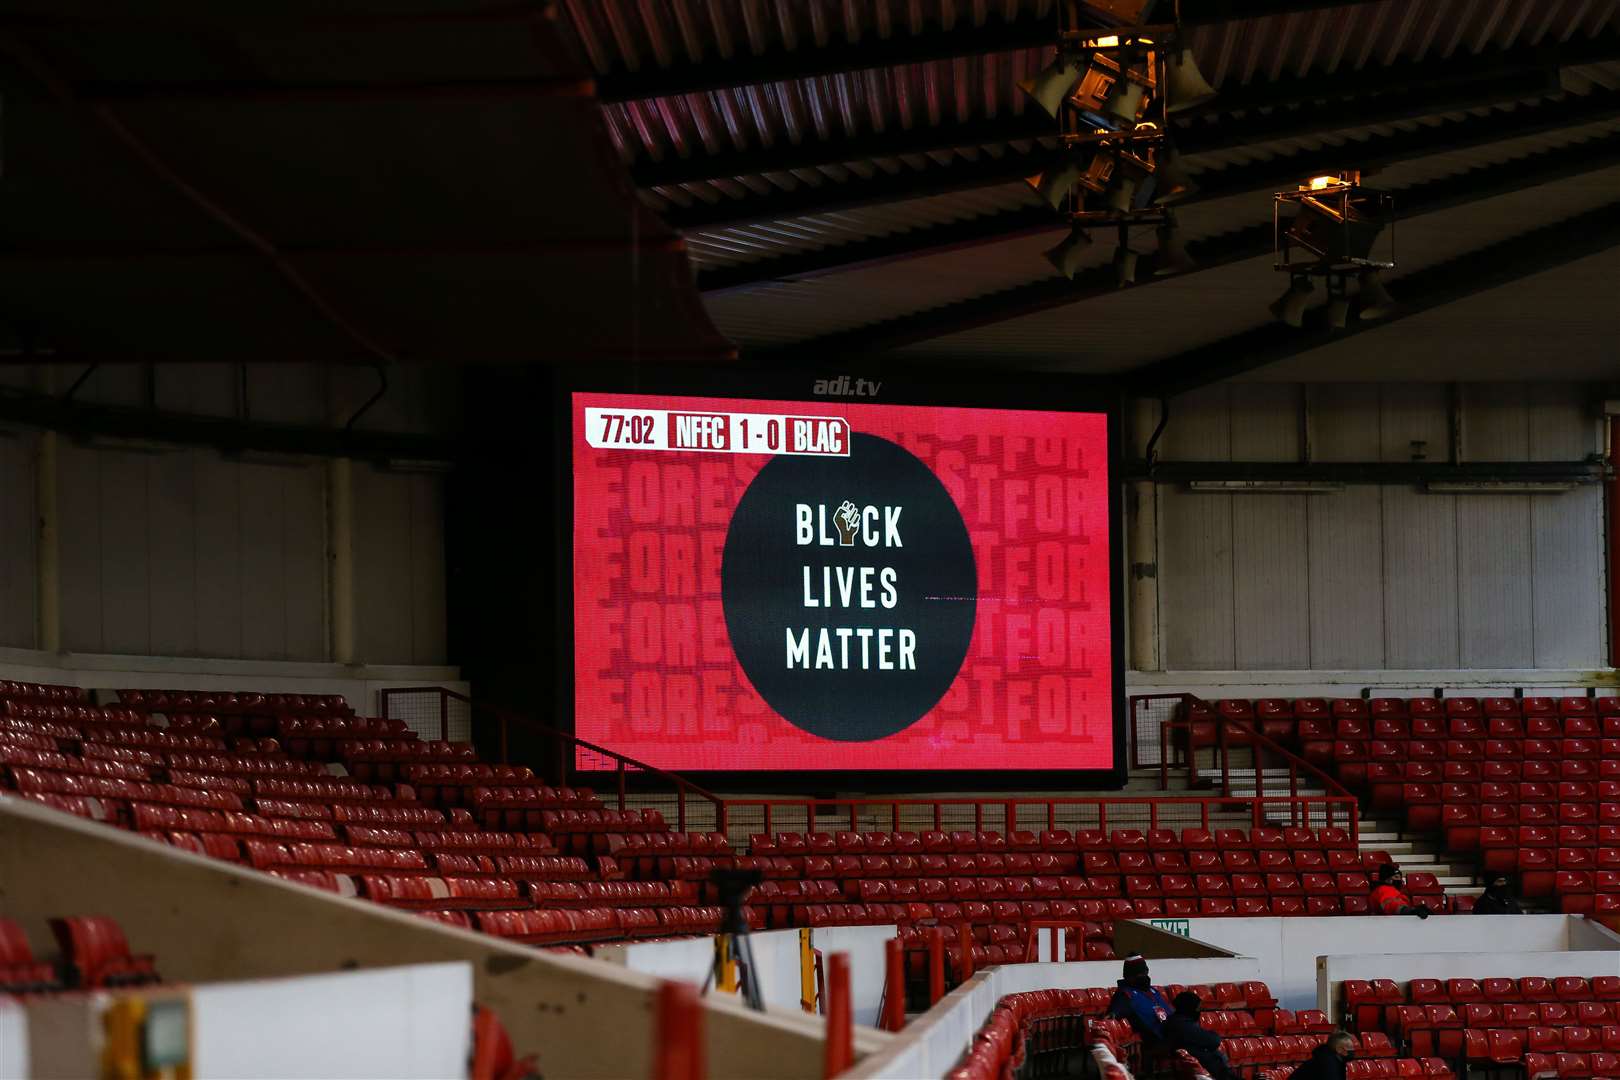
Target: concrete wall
{"x":1372,"y":577}
{"x":776,"y":959}
{"x":210,"y":921}
{"x":1287,"y":949}
{"x":932,"y":1043}
{"x":403,"y":1022}
{"x":176,"y":551}
{"x":103,"y":674}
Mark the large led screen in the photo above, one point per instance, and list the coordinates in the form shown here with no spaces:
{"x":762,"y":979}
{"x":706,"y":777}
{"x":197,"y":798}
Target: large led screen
{"x":793,"y":586}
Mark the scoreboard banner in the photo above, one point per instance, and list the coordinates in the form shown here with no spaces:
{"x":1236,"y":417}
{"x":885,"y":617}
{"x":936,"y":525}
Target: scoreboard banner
{"x":794,"y":586}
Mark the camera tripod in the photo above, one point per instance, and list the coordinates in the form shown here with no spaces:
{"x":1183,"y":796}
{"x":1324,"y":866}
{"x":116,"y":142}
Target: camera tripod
{"x":733,"y":941}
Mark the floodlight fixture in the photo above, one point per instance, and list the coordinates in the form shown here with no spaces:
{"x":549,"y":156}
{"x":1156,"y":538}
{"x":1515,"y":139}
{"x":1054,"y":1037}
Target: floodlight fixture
{"x":1185,"y":85}
{"x":1290,"y":306}
{"x":1070,"y":251}
{"x":1376,"y":303}
{"x":1173,"y":257}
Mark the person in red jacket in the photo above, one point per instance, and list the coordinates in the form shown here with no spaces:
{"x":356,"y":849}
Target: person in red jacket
{"x":1389,"y":895}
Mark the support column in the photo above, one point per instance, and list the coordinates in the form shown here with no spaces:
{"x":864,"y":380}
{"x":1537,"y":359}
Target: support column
{"x":340,"y":558}
{"x":1142,"y":550}
{"x":47,"y":553}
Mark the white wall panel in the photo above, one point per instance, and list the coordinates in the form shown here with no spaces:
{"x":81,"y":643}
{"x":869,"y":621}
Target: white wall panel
{"x":1347,"y":586}
{"x":1493,"y":581}
{"x":78,"y":486}
{"x":172,"y":535}
{"x":1420,"y":580}
{"x":126,"y":572}
{"x":1264,"y":422}
{"x":190,"y":554}
{"x":218,"y":532}
{"x":1345,"y":422}
{"x":1195,"y":579}
{"x":1271,"y":587}
{"x":398,"y":556}
{"x":1387,"y":577}
{"x":18,"y":538}
{"x":1568,"y":573}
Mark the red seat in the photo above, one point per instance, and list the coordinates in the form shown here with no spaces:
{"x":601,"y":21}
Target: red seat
{"x":97,"y":954}
{"x":1572,"y":988}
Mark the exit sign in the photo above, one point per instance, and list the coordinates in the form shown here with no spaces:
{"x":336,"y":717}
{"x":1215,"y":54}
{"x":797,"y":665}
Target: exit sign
{"x":1179,"y":927}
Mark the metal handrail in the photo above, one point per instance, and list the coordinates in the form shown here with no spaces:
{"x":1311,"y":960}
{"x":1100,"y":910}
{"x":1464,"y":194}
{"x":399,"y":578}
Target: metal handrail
{"x":854,"y":809}
{"x":1250,"y":734}
{"x":508,"y":718}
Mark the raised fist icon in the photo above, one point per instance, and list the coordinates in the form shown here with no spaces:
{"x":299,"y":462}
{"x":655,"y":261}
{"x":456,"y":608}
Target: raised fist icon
{"x":847,"y":518}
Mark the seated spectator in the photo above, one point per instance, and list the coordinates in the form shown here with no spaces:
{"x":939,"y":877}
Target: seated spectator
{"x":1498,"y":898}
{"x":1183,"y":1031}
{"x":1327,"y":1062}
{"x":1138,"y":1002}
{"x":1389,"y":895}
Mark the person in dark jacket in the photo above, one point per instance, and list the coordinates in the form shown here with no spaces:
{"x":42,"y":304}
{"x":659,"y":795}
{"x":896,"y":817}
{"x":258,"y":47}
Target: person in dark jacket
{"x":1328,"y":1061}
{"x":1498,"y":898}
{"x":1183,"y":1031}
{"x":1389,"y":895}
{"x":1137,"y":1001}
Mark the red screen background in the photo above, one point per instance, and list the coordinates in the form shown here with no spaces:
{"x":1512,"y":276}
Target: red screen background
{"x":654,"y":675}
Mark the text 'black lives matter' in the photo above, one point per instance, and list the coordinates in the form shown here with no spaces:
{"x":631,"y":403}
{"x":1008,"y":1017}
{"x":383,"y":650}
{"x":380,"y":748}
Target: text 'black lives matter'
{"x":850,"y":589}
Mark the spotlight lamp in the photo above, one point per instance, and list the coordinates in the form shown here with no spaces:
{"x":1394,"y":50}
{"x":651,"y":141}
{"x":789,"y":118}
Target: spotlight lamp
{"x":1070,"y":251}
{"x":1332,"y":228}
{"x":1111,"y":89}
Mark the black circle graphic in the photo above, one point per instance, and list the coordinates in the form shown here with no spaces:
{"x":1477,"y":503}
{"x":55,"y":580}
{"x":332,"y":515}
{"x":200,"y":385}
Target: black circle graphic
{"x":905,"y":544}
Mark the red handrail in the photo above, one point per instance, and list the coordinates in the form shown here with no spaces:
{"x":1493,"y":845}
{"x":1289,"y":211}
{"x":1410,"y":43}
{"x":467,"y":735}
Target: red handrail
{"x":1251,"y":734}
{"x":508,"y":718}
{"x":805,"y":811}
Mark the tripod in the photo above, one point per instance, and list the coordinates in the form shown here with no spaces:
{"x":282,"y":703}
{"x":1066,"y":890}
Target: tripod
{"x":733,"y":941}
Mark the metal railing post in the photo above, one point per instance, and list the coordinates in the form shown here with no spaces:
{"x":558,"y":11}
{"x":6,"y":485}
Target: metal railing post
{"x":840,"y":1047}
{"x":894,"y":985}
{"x":936,"y":964}
{"x":444,"y":717}
{"x":678,"y":1046}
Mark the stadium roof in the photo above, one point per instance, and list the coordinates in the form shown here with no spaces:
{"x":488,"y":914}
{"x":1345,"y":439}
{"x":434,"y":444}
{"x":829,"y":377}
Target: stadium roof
{"x":849,"y":180}
{"x":349,"y":181}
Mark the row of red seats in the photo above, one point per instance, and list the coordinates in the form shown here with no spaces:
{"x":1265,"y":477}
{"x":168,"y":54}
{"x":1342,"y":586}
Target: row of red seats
{"x":331,"y":790}
{"x":332,"y":730}
{"x":1231,"y":861}
{"x":94,"y":952}
{"x":228,"y":701}
{"x":1439,"y":1029}
{"x":254,"y":764}
{"x":1318,"y":734}
{"x":1003,"y":1042}
{"x":1408,"y":1068}
{"x":41,"y":781}
{"x":544,"y":927}
{"x":1511,"y":1046}
{"x":1367,"y":1001}
{"x":20,"y":973}
{"x":1053,"y":840}
{"x":1280,"y":709}
{"x":1547,"y":816}
{"x":1422,"y":887}
{"x":500,"y":894}
{"x":1490,"y":791}
{"x":1295,"y":1049}
{"x":1388,"y":778}
{"x":472,"y":774}
{"x":1571,"y":1066}
{"x":11,"y":690}
{"x":71,"y":713}
{"x":132,"y":735}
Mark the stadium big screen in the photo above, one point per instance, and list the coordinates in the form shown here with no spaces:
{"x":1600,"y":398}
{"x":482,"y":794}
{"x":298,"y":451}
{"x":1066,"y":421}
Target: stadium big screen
{"x":843,"y":586}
